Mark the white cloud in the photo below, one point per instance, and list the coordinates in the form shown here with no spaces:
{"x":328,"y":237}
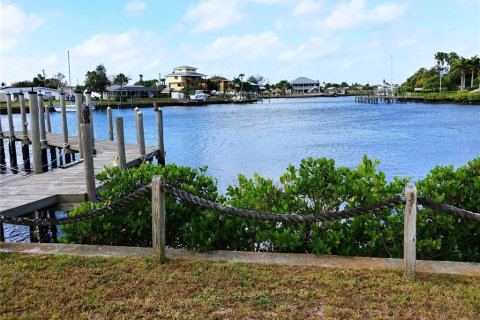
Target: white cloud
{"x":130,"y":51}
{"x":215,"y":14}
{"x":16,"y":24}
{"x":248,"y":47}
{"x":351,"y":14}
{"x":315,"y":48}
{"x":306,"y":7}
{"x":135,"y":7}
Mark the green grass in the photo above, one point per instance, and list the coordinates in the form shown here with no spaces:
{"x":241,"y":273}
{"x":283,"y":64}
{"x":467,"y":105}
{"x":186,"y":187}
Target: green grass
{"x":67,"y":287}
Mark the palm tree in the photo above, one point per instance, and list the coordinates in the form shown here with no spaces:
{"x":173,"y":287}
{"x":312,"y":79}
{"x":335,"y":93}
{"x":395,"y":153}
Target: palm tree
{"x":461,"y":65}
{"x":121,"y":80}
{"x":141,"y":79}
{"x":474,"y":63}
{"x":241,"y":75}
{"x":441,"y":57}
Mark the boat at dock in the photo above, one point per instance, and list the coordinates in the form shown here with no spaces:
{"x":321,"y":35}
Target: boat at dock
{"x":199,"y":95}
{"x":70,"y":108}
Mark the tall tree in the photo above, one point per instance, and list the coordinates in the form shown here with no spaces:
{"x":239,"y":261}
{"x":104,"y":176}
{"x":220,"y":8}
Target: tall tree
{"x":97,"y":80}
{"x":474,"y":64}
{"x":121,"y":80}
{"x":441,"y":57}
{"x":461,"y":66}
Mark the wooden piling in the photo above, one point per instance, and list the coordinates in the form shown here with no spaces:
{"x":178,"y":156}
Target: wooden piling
{"x":2,"y":151}
{"x":2,"y":233}
{"x":66,"y":146}
{"x":47,"y":118}
{"x":35,"y":131}
{"x":88,"y":101}
{"x":12,"y":149}
{"x":140,"y":135}
{"x":161,"y":148}
{"x":122,"y":162}
{"x":410,"y":227}
{"x":86,"y":131}
{"x":110,"y":124}
{"x":25,"y":139}
{"x":53,"y":228}
{"x":43,"y":132}
{"x":78,"y":105}
{"x":158,"y":220}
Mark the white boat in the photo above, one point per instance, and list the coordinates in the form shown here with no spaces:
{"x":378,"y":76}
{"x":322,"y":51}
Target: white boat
{"x":198,"y":96}
{"x":70,"y":108}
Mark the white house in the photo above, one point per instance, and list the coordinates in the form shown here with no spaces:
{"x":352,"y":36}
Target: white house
{"x":53,"y":94}
{"x":305,"y":85}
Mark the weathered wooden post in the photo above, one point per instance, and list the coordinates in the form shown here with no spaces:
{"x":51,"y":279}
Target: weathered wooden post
{"x":140,"y":135}
{"x":66,"y":146}
{"x":122,"y":161}
{"x":410,"y":230}
{"x":161,"y":148}
{"x":11,"y":141}
{"x":2,"y":234}
{"x":25,"y":139}
{"x":2,"y":150}
{"x":86,"y":134}
{"x":78,"y":107}
{"x":35,"y":130}
{"x":158,"y":220}
{"x":47,"y":118}
{"x":43,"y":132}
{"x":88,"y":101}
{"x":110,"y":124}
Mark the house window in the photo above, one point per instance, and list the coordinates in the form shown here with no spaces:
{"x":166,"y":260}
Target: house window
{"x":175,"y":77}
{"x":180,"y":84}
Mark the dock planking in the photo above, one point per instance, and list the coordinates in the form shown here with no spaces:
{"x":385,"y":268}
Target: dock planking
{"x":61,"y":188}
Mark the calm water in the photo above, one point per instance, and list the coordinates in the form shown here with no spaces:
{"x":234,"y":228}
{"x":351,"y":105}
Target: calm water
{"x":408,"y":139}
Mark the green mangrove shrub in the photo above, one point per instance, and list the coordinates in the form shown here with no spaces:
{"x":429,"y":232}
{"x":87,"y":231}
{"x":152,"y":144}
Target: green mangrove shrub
{"x":314,"y":187}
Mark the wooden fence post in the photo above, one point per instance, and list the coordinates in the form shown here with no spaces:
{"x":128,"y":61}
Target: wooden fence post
{"x":410,"y":230}
{"x":122,"y":161}
{"x":158,"y":220}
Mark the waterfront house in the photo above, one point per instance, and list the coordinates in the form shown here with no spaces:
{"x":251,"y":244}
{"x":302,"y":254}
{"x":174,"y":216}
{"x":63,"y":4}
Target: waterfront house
{"x":184,"y":77}
{"x":53,"y":94}
{"x":128,"y":91}
{"x":305,"y":85}
{"x":222,"y":84}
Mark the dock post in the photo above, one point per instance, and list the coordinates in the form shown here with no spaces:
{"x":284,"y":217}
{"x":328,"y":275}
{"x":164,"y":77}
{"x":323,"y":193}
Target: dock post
{"x":122,"y":161}
{"x":161,"y":148}
{"x":409,"y":230}
{"x":43,"y":133}
{"x":66,"y":146}
{"x":88,"y":101}
{"x":53,"y":227}
{"x":86,"y":132}
{"x":110,"y":123}
{"x":78,"y":105}
{"x":47,"y":118}
{"x":140,"y":135}
{"x":2,"y":151}
{"x":12,"y":140}
{"x":25,"y":139}
{"x":35,"y":130}
{"x":158,"y":219}
{"x":2,"y":233}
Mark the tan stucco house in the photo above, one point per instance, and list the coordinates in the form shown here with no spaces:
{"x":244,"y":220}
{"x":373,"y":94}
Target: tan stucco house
{"x":184,"y":77}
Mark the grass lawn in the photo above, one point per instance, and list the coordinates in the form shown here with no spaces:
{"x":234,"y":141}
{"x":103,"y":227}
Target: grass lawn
{"x":68,"y":287}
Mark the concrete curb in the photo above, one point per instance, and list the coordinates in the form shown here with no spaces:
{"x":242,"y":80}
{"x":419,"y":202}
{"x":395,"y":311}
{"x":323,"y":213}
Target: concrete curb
{"x":289,"y":259}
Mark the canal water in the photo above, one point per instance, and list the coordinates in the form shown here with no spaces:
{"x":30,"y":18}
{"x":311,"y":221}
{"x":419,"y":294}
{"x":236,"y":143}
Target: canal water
{"x":408,"y":139}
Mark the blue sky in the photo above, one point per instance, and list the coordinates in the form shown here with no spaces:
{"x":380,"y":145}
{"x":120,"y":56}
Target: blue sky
{"x":330,"y":41}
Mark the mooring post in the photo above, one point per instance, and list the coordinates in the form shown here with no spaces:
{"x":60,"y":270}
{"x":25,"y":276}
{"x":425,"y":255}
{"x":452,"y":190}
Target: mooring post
{"x":43,"y":132}
{"x":140,"y":135}
{"x":35,"y":130}
{"x":161,"y":148}
{"x":86,"y":131}
{"x":88,"y":101}
{"x":78,"y":107}
{"x":25,"y":139}
{"x":11,"y":141}
{"x":2,"y":151}
{"x":66,"y":146}
{"x":410,"y":230}
{"x":110,"y":124}
{"x":47,"y":116}
{"x":122,"y":161}
{"x":158,"y":219}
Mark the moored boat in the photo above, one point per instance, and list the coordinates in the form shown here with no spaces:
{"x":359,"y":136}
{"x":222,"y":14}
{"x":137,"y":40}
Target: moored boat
{"x":198,"y":96}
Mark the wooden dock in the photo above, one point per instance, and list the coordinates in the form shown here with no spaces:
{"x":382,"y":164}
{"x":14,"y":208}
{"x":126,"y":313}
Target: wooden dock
{"x":62,"y":188}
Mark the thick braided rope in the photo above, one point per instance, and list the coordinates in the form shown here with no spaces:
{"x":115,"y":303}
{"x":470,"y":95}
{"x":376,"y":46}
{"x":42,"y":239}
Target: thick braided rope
{"x":294,"y":218}
{"x":135,"y":195}
{"x":461,"y":213}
